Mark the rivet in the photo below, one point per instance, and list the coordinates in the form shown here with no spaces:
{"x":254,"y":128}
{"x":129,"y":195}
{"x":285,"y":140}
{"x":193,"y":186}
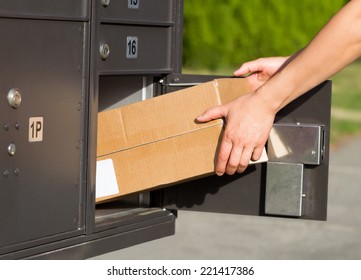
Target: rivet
{"x":12,"y":149}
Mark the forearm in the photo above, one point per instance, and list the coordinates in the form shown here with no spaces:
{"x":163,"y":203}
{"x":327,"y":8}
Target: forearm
{"x":334,"y":47}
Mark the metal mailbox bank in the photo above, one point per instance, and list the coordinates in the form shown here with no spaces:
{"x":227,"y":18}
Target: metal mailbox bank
{"x":61,"y":63}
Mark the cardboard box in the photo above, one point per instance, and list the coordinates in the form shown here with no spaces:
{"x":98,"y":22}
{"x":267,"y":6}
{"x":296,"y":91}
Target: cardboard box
{"x":157,"y":142}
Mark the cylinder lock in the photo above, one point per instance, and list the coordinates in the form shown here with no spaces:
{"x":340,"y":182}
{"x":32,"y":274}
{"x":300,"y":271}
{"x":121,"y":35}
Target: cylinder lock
{"x":105,"y":3}
{"x":14,"y":98}
{"x":104,"y":50}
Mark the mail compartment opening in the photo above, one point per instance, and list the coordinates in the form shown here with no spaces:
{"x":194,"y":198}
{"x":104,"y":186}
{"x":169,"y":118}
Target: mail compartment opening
{"x":115,"y":92}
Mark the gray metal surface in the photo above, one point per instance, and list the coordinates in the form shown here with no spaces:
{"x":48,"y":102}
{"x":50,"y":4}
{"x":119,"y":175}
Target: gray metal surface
{"x":153,"y":50}
{"x":284,"y":189}
{"x":119,"y":230}
{"x":155,"y":12}
{"x":40,"y":195}
{"x":46,"y":9}
{"x":116,"y":91}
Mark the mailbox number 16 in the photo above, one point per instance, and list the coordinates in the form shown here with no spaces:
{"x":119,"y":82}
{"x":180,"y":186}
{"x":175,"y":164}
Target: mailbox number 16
{"x":132,"y":47}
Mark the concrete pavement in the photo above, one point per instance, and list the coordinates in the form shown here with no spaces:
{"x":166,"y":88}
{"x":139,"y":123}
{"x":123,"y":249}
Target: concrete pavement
{"x":222,"y":236}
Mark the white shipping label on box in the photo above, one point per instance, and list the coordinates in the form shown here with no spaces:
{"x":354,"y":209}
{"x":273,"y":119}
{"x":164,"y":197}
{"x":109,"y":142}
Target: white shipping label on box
{"x":106,"y":181}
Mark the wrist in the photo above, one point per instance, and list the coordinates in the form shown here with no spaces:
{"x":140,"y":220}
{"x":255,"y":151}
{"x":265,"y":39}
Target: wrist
{"x":270,"y":99}
{"x":278,"y":91}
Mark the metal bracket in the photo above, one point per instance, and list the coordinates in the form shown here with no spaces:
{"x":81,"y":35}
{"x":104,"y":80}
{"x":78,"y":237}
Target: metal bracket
{"x":284,"y":189}
{"x":297,"y":143}
{"x":290,"y":147}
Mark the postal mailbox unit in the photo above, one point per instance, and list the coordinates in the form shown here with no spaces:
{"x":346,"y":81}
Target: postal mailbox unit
{"x":62,"y":62}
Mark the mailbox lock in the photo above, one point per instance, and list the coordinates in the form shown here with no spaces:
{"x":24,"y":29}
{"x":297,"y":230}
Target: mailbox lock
{"x":14,"y":98}
{"x":12,"y":149}
{"x":104,"y":50}
{"x":105,"y":3}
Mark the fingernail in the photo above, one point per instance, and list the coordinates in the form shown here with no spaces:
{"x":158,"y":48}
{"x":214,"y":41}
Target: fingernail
{"x":197,"y":121}
{"x":219,"y":173}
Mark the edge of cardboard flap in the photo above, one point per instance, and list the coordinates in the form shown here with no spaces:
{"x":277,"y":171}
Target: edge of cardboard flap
{"x":220,"y":122}
{"x":230,"y":88}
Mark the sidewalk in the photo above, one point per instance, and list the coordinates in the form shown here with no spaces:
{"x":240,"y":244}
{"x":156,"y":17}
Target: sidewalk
{"x":221,"y":236}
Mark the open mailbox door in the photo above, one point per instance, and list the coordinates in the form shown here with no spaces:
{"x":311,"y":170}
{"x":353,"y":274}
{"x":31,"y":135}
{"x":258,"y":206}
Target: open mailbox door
{"x":293,"y":183}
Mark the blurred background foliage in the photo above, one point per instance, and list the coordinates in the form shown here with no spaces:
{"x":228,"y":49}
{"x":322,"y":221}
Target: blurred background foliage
{"x":222,"y":34}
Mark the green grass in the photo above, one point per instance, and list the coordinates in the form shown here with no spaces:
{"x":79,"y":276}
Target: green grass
{"x":346,"y":89}
{"x":346,"y":97}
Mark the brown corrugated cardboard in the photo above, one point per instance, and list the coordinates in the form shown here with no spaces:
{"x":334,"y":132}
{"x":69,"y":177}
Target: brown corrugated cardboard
{"x":157,"y":142}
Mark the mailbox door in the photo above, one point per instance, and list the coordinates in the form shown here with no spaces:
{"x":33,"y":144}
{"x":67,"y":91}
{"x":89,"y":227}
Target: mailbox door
{"x":285,"y":186}
{"x":40,"y":185}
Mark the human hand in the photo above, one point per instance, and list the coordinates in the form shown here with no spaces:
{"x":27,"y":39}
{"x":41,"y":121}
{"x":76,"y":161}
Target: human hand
{"x":260,"y":70}
{"x":248,"y":123}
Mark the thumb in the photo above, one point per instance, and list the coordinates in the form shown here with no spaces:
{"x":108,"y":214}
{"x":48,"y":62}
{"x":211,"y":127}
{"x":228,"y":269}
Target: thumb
{"x":212,"y":114}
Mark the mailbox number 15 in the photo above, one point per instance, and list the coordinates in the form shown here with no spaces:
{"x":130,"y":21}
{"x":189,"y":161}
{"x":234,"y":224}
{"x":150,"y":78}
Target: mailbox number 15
{"x":133,"y":4}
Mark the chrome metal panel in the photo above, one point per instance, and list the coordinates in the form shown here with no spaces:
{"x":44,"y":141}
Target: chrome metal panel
{"x":299,"y":143}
